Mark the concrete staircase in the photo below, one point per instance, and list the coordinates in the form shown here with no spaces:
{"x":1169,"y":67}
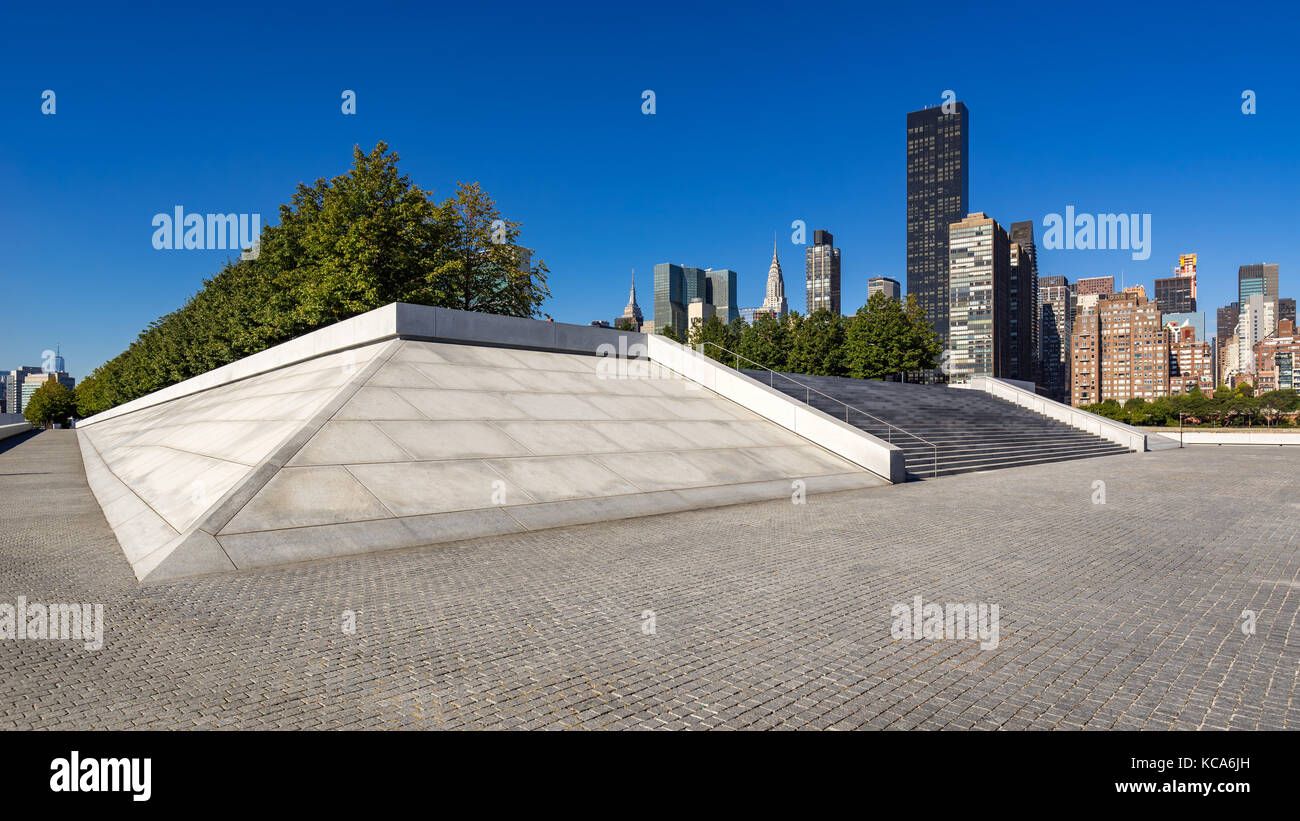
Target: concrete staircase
{"x":969,"y":430}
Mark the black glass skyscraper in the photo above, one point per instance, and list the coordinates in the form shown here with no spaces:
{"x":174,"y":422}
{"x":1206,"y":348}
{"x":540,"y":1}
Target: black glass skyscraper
{"x":938,"y":186}
{"x":1024,"y":315}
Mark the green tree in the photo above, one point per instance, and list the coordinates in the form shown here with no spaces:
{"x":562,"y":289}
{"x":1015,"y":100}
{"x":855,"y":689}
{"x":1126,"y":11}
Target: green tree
{"x":1160,"y":410}
{"x":479,"y":266}
{"x":51,"y":402}
{"x":766,"y":342}
{"x":713,"y":330}
{"x":1135,"y":411}
{"x":343,"y":246}
{"x":887,"y":336}
{"x":667,"y":331}
{"x":817,"y":345}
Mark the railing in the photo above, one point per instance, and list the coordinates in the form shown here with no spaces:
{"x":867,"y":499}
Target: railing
{"x":809,"y":391}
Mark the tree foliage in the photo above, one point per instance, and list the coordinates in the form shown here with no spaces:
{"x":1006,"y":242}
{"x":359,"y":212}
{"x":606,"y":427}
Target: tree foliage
{"x":887,"y":336}
{"x":1227,"y":407}
{"x":51,"y":402}
{"x":883,"y":338}
{"x":343,"y":247}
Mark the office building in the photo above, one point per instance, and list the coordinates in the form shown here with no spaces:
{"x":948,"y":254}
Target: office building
{"x":979,"y":307}
{"x":1227,"y":317}
{"x":888,"y":285}
{"x":722,"y":284}
{"x":1177,"y":294}
{"x":1260,"y":278}
{"x":676,"y":287}
{"x":1286,"y":309}
{"x":1023,"y":328}
{"x":1054,"y":301}
{"x":938,"y":186}
{"x":1119,"y":349}
{"x":822,"y":273}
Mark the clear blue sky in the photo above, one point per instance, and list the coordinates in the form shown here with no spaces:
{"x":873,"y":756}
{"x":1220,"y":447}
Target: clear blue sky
{"x":763,"y":116}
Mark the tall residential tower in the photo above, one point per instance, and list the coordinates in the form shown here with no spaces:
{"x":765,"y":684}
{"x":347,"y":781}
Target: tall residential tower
{"x":823,"y":273}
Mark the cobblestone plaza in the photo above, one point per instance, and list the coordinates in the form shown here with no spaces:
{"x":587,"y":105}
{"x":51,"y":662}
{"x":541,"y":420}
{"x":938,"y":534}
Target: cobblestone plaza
{"x":1118,"y":610}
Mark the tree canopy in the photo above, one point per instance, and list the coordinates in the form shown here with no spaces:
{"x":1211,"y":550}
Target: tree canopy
{"x":884,"y":337}
{"x":51,"y":402}
{"x":344,"y":246}
{"x":1228,"y":406}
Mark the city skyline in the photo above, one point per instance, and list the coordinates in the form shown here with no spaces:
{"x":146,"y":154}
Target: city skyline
{"x":638,"y":188}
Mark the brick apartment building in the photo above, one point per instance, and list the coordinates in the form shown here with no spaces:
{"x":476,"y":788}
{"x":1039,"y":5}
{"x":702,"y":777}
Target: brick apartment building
{"x":1275,"y":359}
{"x":1119,"y":350}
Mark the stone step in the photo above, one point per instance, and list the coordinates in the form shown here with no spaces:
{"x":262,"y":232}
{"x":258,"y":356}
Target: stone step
{"x":953,"y":430}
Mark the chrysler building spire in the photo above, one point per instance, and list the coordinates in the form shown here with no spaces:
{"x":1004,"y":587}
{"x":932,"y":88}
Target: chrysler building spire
{"x":775,"y":302}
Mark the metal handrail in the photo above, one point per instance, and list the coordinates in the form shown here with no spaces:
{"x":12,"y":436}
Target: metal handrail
{"x":809,"y":391}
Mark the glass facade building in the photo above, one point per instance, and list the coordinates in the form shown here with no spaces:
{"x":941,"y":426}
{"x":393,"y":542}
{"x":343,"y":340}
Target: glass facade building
{"x":938,"y":186}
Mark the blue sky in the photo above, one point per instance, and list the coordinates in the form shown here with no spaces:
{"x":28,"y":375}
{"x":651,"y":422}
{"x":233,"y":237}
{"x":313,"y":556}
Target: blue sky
{"x":763,"y":116}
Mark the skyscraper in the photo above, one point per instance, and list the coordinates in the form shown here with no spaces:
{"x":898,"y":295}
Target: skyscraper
{"x":822,"y":272}
{"x":887,"y":284}
{"x":1054,"y":296}
{"x":938,"y":189}
{"x":1175,"y":294}
{"x":1286,"y":309}
{"x":670,"y":308}
{"x":676,"y":288}
{"x":1023,"y":297}
{"x":632,"y":313}
{"x":1260,"y":278}
{"x":1226,"y":324}
{"x":775,"y":302}
{"x":722,"y":282}
{"x":979,"y":273}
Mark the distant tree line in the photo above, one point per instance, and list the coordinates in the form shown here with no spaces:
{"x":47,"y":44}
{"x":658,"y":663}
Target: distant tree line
{"x":885,"y":337}
{"x":1225,"y":408}
{"x":343,"y":247}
